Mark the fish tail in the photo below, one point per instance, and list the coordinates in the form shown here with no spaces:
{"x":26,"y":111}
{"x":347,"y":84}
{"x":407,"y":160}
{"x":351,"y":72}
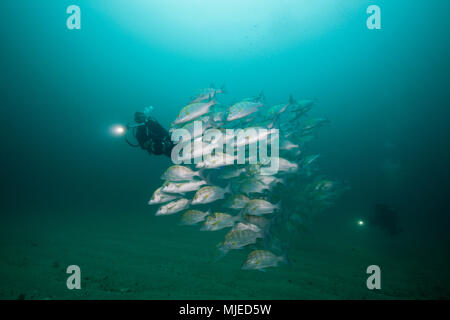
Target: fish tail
{"x":201,"y":175}
{"x":224,"y":89}
{"x":285,"y":259}
{"x":211,"y":122}
{"x":278,"y":206}
{"x":261,"y":98}
{"x":228,"y":188}
{"x":212,"y":100}
{"x":240,"y":217}
{"x":220,"y":253}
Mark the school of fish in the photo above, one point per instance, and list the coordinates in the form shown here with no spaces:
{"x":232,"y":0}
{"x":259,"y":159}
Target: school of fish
{"x":260,"y":211}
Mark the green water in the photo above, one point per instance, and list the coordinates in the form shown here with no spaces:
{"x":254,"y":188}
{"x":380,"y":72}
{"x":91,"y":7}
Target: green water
{"x":74,"y":194}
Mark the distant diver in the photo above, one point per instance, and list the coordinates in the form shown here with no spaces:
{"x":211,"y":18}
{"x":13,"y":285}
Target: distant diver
{"x":150,"y":135}
{"x":385,"y":218}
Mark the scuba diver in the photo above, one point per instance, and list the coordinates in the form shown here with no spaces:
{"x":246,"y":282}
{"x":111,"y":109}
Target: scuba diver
{"x":150,"y":135}
{"x":385,"y":218}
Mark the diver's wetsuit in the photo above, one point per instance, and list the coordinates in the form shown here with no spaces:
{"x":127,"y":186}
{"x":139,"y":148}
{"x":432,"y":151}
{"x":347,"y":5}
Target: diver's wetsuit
{"x":154,"y":138}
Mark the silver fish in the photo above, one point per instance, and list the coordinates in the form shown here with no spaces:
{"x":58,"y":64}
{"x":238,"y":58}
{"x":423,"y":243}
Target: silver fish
{"x":309,"y":159}
{"x":161,"y":197}
{"x":180,"y":173}
{"x":237,"y":238}
{"x":287,"y":145}
{"x":216,"y":161}
{"x":243,"y":109}
{"x":287,"y":166}
{"x":193,"y":111}
{"x":210,"y":194}
{"x":209,"y":93}
{"x":270,"y":180}
{"x":173,"y":207}
{"x":237,"y":201}
{"x":261,"y":259}
{"x":219,"y":221}
{"x":183,"y":187}
{"x":259,"y":207}
{"x":192,"y":217}
{"x":260,"y":221}
{"x":253,"y":185}
{"x":231,"y":172}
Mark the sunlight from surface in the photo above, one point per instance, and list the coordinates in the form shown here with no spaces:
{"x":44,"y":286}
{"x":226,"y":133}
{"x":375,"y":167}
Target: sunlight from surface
{"x":227,"y":27}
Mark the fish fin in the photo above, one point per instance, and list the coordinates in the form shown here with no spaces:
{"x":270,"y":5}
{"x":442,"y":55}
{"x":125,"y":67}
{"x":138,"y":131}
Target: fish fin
{"x":219,"y":253}
{"x":211,"y":122}
{"x":201,"y":175}
{"x":262,"y":270}
{"x":285,"y":259}
{"x":261,"y":97}
{"x":240,"y":217}
{"x":212,"y":101}
{"x":228,"y":188}
{"x":278,"y":205}
{"x":261,"y":234}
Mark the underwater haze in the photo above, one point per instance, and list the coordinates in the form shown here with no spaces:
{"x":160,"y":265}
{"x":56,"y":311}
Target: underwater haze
{"x":75,"y":194}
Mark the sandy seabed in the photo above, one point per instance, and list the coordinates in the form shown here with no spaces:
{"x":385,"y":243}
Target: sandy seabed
{"x":153,"y":258}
